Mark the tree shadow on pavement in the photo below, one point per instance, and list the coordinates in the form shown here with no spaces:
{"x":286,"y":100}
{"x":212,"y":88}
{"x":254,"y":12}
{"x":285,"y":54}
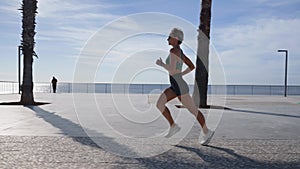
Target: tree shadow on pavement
{"x":69,"y":128}
{"x":244,"y":111}
{"x":264,"y":113}
{"x":19,"y":103}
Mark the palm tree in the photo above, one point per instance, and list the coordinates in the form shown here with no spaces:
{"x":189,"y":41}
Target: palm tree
{"x":201,"y":73}
{"x":29,"y":10}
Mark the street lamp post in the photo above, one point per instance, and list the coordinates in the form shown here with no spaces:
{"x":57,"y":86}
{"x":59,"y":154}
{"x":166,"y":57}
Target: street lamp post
{"x":285,"y":77}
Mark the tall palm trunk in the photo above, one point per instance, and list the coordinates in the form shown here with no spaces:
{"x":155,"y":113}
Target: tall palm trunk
{"x":29,"y":10}
{"x":202,"y":62}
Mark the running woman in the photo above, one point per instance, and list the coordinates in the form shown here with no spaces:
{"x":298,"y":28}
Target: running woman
{"x":179,"y":87}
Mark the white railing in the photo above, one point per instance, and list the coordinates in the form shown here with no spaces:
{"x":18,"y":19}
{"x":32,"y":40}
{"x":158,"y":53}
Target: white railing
{"x":7,"y":87}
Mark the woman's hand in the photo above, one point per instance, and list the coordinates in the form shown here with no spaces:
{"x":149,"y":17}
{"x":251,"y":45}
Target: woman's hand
{"x":159,"y":62}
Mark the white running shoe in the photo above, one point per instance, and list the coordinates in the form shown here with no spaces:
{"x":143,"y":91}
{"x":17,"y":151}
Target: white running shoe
{"x":206,"y":139}
{"x":173,"y":130}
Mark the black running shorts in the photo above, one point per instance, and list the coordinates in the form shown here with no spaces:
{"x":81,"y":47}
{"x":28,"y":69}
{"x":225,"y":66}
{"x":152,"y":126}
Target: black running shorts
{"x":178,"y":85}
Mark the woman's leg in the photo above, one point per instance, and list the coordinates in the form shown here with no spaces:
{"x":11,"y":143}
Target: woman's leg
{"x":188,"y":102}
{"x":163,"y":99}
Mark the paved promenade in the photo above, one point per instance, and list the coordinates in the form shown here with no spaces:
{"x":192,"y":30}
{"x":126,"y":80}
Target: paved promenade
{"x":256,"y":132}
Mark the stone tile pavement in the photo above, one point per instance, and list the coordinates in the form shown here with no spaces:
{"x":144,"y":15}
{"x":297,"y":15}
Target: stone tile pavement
{"x":257,"y":132}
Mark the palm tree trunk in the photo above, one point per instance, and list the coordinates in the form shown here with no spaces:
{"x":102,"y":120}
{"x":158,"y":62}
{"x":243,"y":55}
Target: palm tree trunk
{"x":29,"y":10}
{"x":202,"y":62}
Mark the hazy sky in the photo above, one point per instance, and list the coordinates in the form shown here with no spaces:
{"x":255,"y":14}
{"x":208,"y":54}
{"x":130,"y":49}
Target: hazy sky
{"x":245,"y":37}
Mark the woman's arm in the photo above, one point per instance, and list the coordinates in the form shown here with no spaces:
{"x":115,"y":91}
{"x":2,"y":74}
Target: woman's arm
{"x":171,"y":67}
{"x":189,"y":63}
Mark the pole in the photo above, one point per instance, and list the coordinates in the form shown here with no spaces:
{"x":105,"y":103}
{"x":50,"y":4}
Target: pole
{"x":285,"y":79}
{"x":19,"y":67}
{"x":285,"y":74}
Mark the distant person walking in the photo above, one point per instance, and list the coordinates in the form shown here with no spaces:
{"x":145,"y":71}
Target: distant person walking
{"x":54,"y":83}
{"x":179,"y":87}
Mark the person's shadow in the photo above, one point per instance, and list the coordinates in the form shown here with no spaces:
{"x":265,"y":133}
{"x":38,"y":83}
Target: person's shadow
{"x":227,"y":158}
